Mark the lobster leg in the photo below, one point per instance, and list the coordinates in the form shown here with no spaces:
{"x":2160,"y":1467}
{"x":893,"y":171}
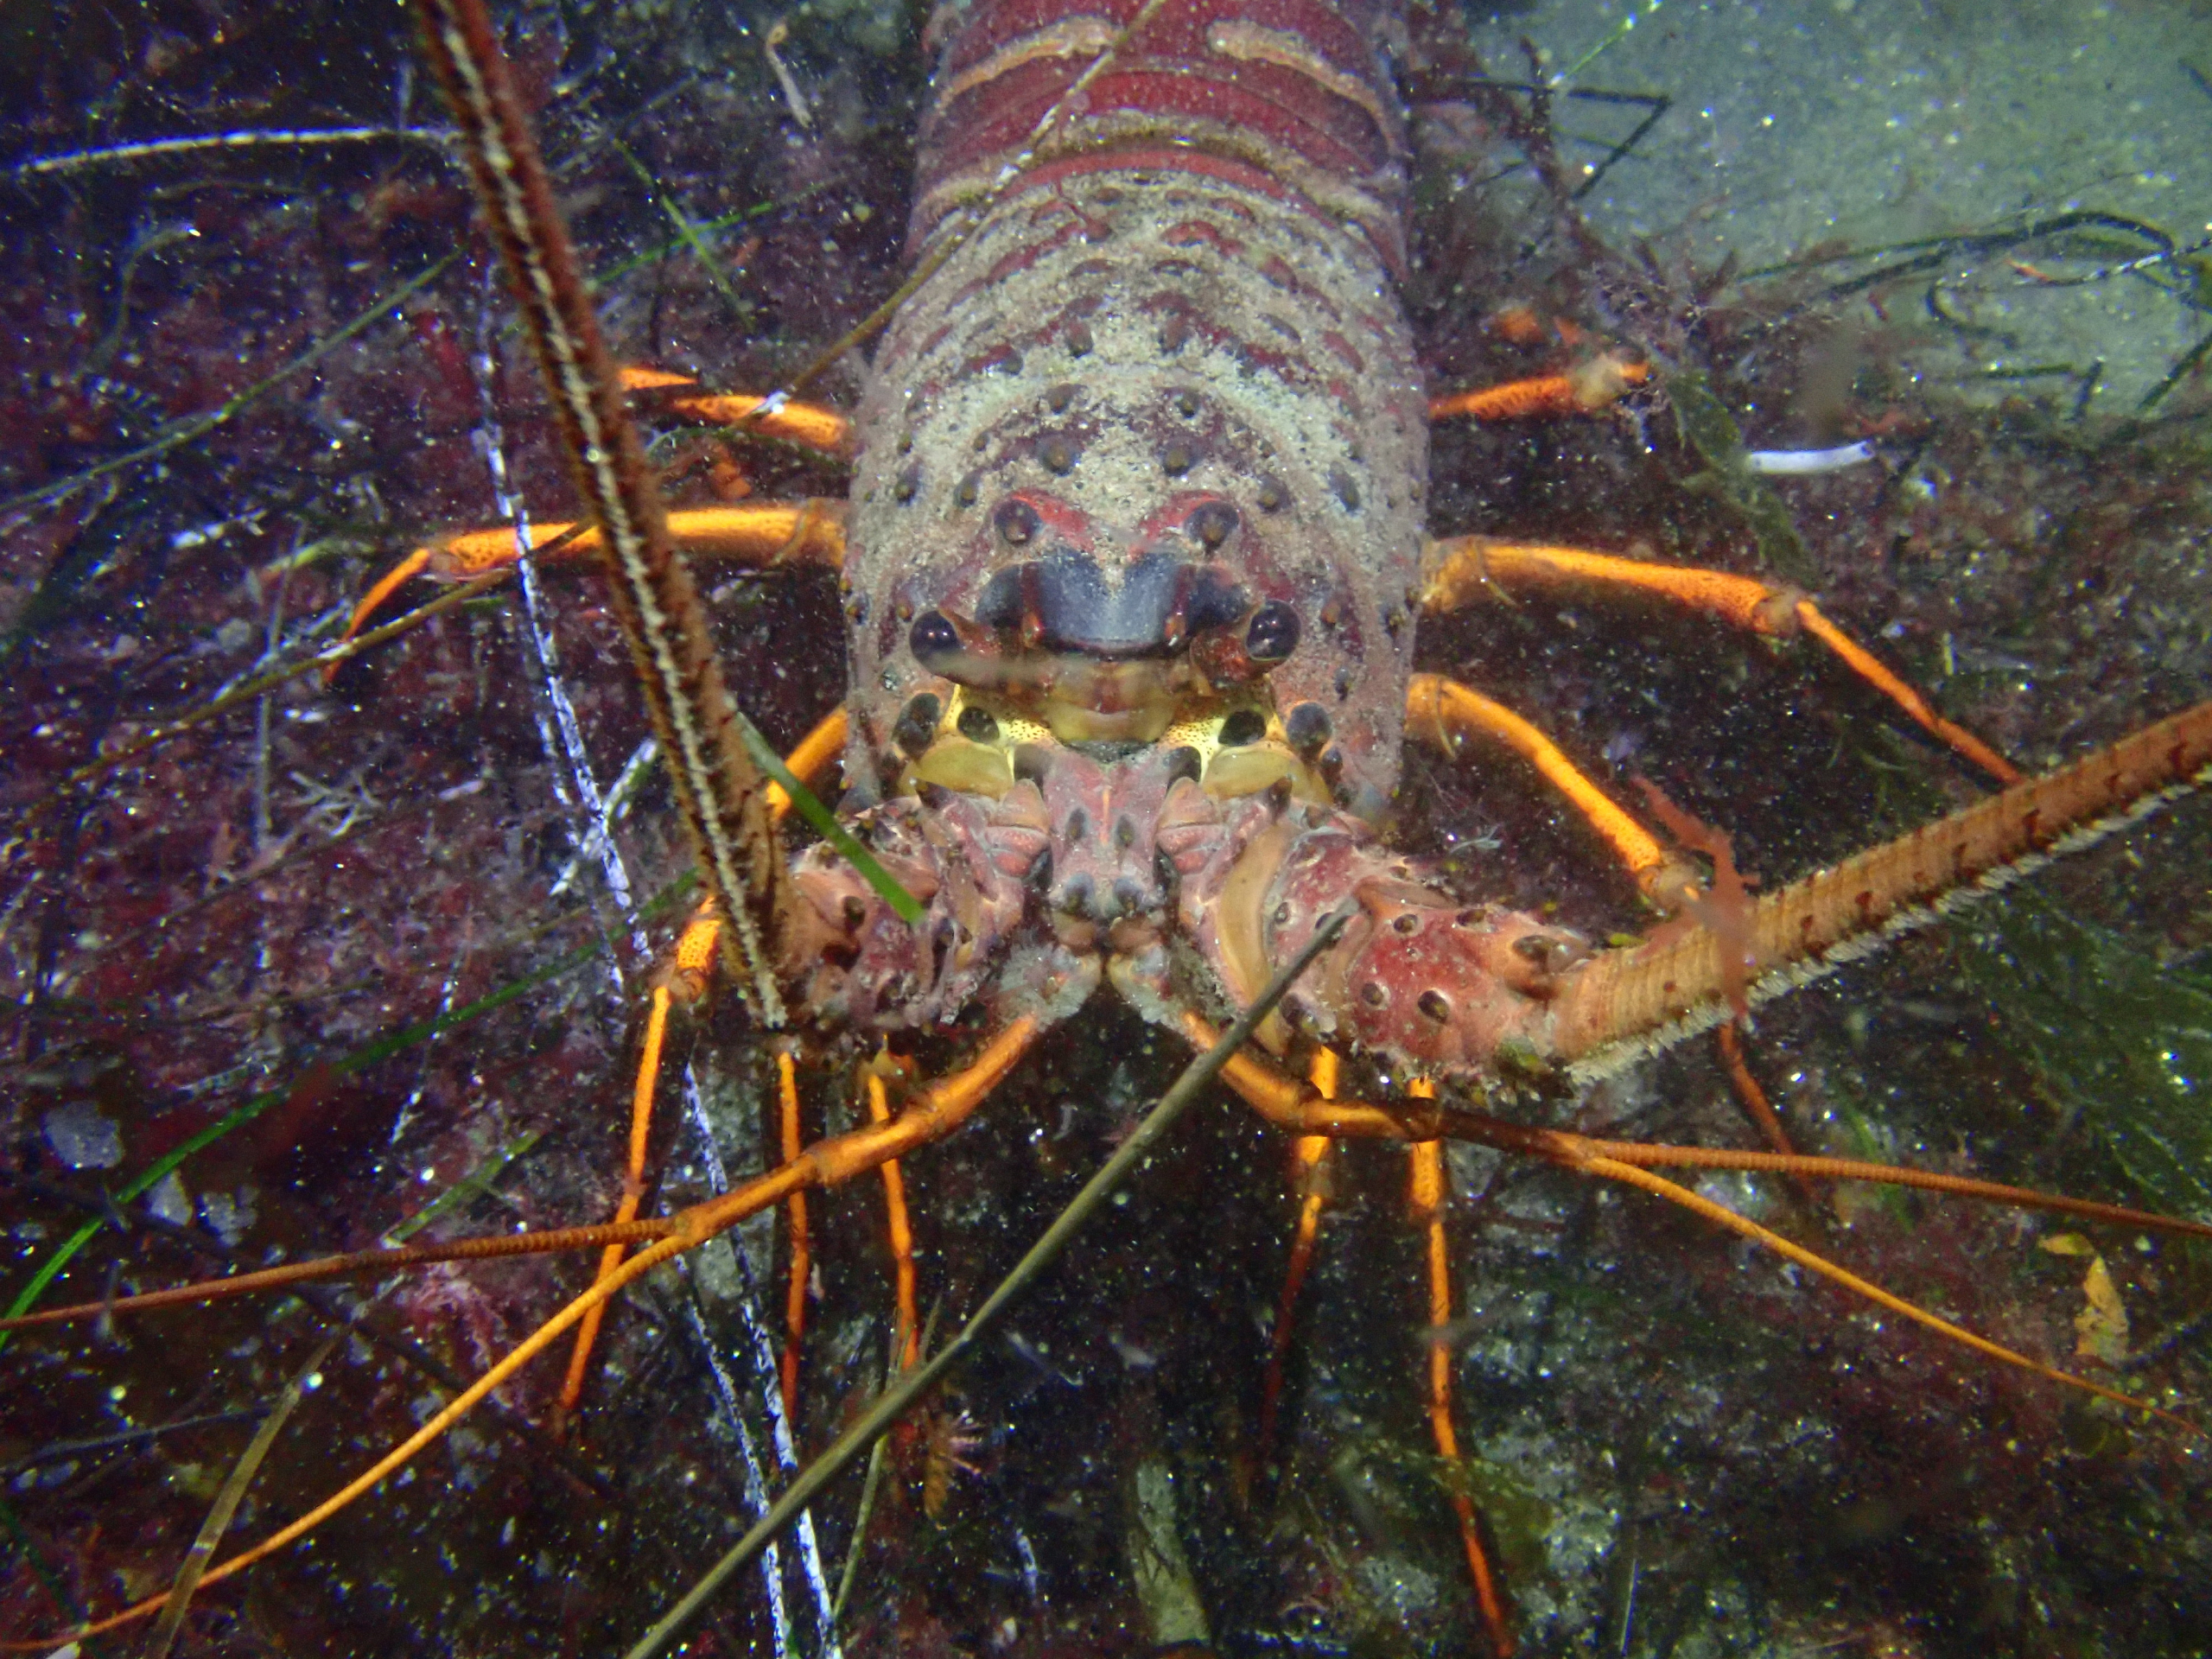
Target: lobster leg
{"x":810,"y":532}
{"x":801,"y":1242}
{"x":690,"y":966}
{"x":812,"y":426}
{"x":901,"y":1231}
{"x":1459,"y":567}
{"x":1425,"y":1192}
{"x":809,"y":760}
{"x":1581,"y":390}
{"x":1444,"y":711}
{"x":1757,"y":1107}
{"x":761,"y":536}
{"x":1312,"y":1155}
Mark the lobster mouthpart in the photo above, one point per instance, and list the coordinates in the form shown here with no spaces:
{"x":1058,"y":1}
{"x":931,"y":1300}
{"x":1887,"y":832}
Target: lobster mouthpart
{"x":1104,"y":829}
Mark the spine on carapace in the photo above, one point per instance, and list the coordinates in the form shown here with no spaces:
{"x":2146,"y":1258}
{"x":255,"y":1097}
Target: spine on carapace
{"x":1299,"y":89}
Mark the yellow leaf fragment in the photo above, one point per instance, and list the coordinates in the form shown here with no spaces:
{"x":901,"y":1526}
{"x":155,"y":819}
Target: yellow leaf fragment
{"x":2101,"y":1328}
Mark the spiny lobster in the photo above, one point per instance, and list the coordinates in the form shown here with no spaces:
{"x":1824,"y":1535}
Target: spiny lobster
{"x":1132,"y":571}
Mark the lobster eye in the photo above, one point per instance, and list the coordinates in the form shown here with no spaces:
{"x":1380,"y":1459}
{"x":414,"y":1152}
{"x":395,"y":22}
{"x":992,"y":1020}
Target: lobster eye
{"x":934,"y":640}
{"x":1272,"y":635}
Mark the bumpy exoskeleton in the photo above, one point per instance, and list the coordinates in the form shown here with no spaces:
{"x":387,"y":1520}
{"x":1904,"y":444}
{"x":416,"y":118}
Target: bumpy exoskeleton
{"x":1136,"y":545}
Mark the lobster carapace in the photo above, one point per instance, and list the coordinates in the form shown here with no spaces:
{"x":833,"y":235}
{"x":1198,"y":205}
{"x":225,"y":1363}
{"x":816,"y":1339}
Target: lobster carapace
{"x":1135,"y":541}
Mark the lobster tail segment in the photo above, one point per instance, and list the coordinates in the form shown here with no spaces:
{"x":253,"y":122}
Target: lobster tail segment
{"x":1298,"y":90}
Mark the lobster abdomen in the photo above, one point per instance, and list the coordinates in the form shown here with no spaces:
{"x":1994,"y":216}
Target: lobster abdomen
{"x":1298,"y":88}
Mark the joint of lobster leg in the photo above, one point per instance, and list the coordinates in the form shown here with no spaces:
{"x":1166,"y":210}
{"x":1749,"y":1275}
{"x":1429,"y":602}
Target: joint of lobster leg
{"x":690,"y":967}
{"x":1583,"y":389}
{"x":464,"y":554}
{"x":1459,"y":568}
{"x":811,"y":425}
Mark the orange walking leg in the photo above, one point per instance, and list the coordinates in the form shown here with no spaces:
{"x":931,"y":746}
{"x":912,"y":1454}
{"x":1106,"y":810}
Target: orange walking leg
{"x":812,"y":425}
{"x":1460,"y":567}
{"x":802,"y":1260}
{"x":1756,"y":1105}
{"x":755,"y":537}
{"x":687,"y":978}
{"x":1445,"y":711}
{"x":1311,"y":1153}
{"x":902,"y":1232}
{"x":690,"y":967}
{"x":1581,"y":390}
{"x":809,"y":759}
{"x":1427,"y":1206}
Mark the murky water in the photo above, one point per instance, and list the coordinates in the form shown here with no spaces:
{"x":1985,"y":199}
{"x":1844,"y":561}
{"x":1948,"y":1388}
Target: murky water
{"x":1679,"y":1447}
